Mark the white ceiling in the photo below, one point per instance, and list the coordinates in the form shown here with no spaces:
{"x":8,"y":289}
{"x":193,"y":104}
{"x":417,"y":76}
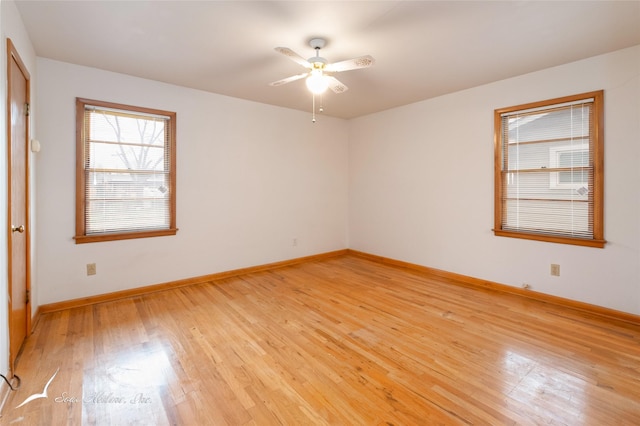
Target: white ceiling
{"x":422,"y":49}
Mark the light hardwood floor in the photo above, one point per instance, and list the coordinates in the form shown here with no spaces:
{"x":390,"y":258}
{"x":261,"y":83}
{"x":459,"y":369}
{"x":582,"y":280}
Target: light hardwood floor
{"x":339,"y":341}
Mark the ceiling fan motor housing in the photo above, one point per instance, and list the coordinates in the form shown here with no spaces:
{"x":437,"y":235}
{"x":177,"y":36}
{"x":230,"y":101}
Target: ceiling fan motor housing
{"x":318,"y":62}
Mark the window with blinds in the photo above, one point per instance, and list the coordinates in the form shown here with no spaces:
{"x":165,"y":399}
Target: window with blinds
{"x":548,"y":171}
{"x":125,"y":172}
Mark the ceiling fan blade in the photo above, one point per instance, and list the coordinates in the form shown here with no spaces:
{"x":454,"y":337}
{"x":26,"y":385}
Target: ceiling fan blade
{"x":293,"y":56}
{"x":336,"y":85}
{"x":289,"y":79}
{"x":351,"y":64}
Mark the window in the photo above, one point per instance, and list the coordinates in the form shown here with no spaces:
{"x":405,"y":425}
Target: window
{"x":575,"y":158}
{"x":125,"y":172}
{"x":549,"y":170}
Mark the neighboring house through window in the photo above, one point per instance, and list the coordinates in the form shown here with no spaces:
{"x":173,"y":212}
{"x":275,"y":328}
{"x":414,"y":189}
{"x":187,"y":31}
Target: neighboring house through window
{"x":549,"y":170}
{"x":125,"y":172}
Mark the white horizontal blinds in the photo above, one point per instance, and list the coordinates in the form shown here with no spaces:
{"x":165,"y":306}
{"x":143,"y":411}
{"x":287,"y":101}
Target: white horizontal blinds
{"x":548,"y":173}
{"x":127,"y":169}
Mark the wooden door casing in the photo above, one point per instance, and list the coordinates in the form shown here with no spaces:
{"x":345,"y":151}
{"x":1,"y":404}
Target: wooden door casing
{"x":18,"y":202}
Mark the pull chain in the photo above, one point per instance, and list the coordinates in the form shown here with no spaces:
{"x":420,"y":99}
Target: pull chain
{"x":313,"y":107}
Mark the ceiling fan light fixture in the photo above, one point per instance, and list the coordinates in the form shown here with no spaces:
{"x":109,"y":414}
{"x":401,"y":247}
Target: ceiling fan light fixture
{"x":317,"y":82}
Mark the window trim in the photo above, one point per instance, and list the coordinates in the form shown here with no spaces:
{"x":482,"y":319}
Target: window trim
{"x":81,"y":236}
{"x":598,"y":240}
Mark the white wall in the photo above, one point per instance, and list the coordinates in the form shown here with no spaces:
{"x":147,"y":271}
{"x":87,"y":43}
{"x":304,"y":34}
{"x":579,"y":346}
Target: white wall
{"x":250,"y":179}
{"x":421,"y":185}
{"x":11,"y":26}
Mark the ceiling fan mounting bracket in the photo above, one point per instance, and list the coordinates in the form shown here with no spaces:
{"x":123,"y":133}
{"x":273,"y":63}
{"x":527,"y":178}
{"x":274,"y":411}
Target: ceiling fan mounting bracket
{"x":317,"y":43}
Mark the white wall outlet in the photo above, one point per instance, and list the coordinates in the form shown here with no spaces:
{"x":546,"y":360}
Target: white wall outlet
{"x":555,"y":269}
{"x":91,"y":268}
{"x":295,"y":242}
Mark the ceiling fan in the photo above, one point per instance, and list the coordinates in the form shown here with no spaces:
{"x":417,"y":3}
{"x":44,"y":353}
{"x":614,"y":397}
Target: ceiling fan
{"x":319,"y":76}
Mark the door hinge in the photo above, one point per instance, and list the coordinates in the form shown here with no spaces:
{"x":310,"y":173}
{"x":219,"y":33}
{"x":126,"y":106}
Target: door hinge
{"x":26,"y":297}
{"x":26,"y":109}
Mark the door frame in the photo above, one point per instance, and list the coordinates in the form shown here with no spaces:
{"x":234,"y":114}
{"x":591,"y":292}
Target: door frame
{"x":12,"y":55}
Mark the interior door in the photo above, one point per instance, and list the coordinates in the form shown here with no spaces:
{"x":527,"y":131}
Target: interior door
{"x":18,"y":193}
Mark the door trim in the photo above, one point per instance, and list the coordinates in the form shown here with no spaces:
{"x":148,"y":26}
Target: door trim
{"x":12,"y":55}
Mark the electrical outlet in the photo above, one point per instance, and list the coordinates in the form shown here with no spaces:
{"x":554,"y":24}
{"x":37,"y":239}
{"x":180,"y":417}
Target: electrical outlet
{"x":555,"y":269}
{"x":91,"y":268}
{"x":295,"y":242}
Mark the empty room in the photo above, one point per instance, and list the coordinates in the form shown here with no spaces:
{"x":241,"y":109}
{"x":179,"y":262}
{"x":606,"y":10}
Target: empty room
{"x":319,"y":212}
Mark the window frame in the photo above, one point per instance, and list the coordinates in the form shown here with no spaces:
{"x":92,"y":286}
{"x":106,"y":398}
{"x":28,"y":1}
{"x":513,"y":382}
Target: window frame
{"x":81,"y":157}
{"x":597,"y":192}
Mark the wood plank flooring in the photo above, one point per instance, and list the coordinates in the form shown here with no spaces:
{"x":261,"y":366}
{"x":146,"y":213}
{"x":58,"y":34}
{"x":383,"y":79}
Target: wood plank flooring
{"x":341,"y":341}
